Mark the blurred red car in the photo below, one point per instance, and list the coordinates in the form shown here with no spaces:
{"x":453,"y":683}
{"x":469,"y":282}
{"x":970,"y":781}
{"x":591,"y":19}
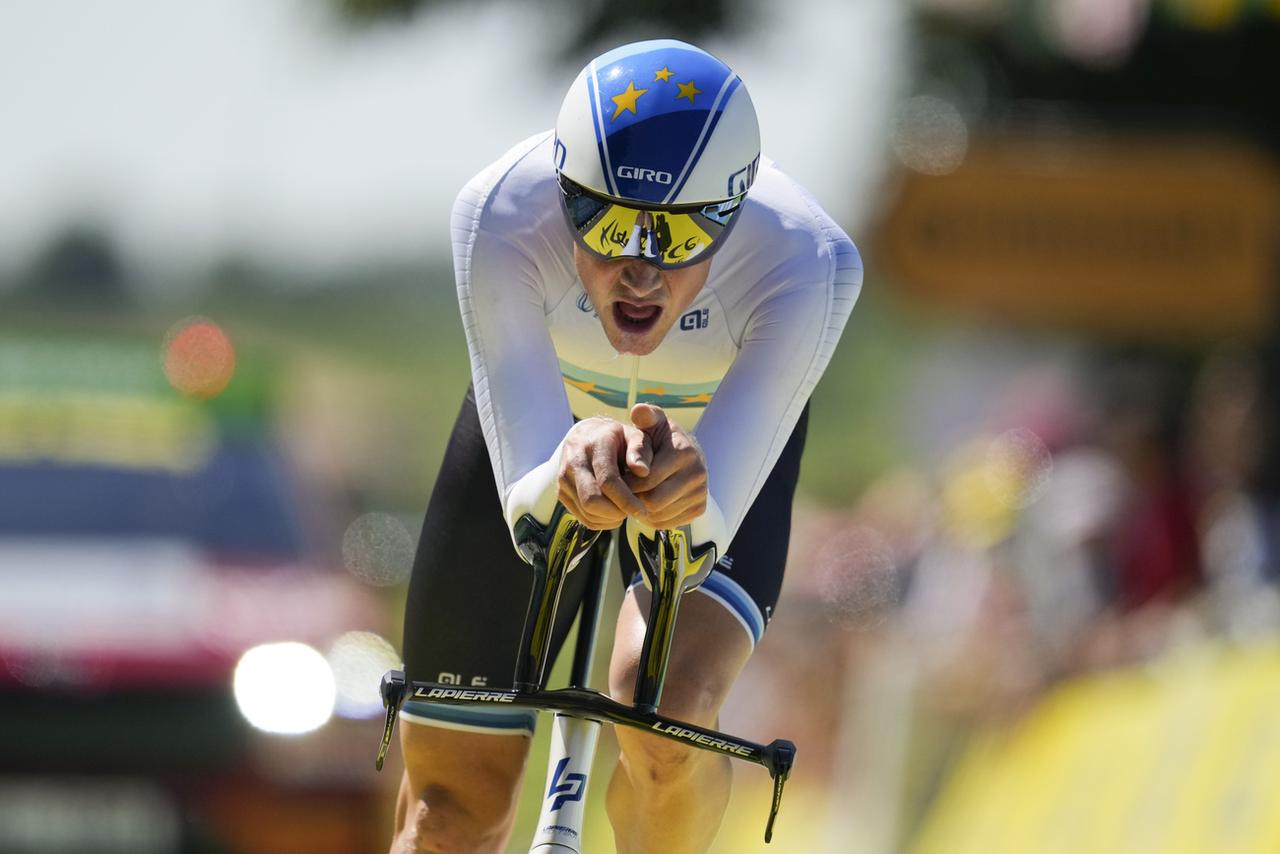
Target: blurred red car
{"x":144,"y":548}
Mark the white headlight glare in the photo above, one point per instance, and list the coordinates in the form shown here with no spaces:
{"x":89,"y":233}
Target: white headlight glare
{"x":284,"y":688}
{"x":358,"y":660}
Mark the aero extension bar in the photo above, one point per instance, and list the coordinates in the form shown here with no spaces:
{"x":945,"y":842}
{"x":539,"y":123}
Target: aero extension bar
{"x":553,"y":551}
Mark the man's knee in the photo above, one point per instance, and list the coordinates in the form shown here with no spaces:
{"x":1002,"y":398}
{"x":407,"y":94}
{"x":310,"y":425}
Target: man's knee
{"x":709,"y":651}
{"x":661,"y":761}
{"x":462,"y":789}
{"x":657,"y":762}
{"x":446,"y":818}
{"x":687,"y":694}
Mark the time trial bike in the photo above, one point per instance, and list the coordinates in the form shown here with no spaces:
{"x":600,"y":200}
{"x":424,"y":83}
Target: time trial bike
{"x":673,"y":566}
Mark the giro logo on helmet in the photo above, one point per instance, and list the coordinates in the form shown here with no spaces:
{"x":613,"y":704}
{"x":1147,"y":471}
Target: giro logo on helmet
{"x":741,"y":181}
{"x":639,"y":174}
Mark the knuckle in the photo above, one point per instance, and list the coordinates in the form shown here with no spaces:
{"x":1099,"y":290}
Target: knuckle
{"x":597,"y":504}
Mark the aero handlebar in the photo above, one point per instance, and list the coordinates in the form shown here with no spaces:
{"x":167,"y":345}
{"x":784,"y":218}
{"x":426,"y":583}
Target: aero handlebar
{"x":553,"y":551}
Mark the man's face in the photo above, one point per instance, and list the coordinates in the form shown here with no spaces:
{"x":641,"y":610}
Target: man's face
{"x":636,"y":301}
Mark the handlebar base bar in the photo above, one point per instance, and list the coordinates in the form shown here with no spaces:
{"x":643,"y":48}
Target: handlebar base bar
{"x":672,"y":566}
{"x":777,"y":757}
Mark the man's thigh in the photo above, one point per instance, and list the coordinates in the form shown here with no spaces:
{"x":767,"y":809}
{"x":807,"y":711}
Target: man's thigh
{"x":707,"y":654}
{"x":469,"y":592}
{"x":464,"y":616}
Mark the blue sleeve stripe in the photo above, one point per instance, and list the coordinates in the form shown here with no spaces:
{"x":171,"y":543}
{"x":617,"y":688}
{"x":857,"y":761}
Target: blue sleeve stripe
{"x":730,"y":594}
{"x":500,"y":721}
{"x":713,"y":118}
{"x":597,"y":119}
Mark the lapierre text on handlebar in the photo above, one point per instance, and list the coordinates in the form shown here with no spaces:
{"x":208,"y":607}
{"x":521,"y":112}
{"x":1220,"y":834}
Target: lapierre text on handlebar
{"x":553,"y":551}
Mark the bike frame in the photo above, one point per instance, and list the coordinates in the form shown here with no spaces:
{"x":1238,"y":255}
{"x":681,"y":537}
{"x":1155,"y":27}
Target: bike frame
{"x":553,"y":551}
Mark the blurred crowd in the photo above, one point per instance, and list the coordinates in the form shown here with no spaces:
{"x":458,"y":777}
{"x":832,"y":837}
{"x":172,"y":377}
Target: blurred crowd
{"x":1110,"y":509}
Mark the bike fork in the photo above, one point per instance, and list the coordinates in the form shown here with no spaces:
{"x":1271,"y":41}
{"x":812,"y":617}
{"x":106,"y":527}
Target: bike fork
{"x":573,"y":739}
{"x":573,"y":746}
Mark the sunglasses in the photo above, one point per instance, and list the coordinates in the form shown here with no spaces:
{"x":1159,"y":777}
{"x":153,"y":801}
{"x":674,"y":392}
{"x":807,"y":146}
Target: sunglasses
{"x":668,"y":238}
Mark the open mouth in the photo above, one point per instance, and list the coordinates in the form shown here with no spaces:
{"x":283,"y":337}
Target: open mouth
{"x":632,"y":317}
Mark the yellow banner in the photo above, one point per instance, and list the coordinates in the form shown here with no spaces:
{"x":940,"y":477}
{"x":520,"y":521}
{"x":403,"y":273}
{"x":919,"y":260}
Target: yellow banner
{"x":1181,"y":759}
{"x":122,"y":431}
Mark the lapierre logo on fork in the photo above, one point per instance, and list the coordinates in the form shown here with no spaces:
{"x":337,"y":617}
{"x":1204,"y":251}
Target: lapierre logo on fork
{"x":570,"y":789}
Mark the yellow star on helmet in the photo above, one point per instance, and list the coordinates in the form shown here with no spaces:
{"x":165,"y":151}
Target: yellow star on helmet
{"x":627,"y":100}
{"x":664,"y":75}
{"x":688,"y":90}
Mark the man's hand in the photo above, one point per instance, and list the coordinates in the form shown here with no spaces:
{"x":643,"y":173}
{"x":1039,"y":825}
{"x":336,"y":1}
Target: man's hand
{"x":672,"y":486}
{"x":592,"y":487}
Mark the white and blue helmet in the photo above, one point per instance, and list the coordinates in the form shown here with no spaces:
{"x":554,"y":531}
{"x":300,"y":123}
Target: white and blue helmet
{"x":660,"y":124}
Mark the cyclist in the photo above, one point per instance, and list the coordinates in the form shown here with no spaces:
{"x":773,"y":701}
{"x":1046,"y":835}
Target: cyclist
{"x":648,"y":304}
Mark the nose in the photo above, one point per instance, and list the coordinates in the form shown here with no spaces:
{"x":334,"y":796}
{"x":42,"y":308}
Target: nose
{"x":641,"y":278}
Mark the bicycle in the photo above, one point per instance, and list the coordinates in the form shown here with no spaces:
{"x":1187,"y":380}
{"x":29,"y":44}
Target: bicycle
{"x":674,"y":567}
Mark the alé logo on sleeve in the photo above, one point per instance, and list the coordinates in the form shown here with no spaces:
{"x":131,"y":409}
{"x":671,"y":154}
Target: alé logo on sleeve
{"x":696,"y":319}
{"x":568,"y":789}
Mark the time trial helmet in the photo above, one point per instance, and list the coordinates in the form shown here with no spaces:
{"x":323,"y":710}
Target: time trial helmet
{"x":657,"y":143}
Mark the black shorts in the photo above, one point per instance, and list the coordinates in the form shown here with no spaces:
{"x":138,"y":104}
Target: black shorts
{"x":469,"y":592}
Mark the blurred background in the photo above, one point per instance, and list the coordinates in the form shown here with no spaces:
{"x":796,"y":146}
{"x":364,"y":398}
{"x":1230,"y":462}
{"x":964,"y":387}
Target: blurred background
{"x":1031,"y":604}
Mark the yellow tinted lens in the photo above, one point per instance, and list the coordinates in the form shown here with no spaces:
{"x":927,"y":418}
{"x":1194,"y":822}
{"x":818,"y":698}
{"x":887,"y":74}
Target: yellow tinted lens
{"x":683,"y":239}
{"x":662,"y":237}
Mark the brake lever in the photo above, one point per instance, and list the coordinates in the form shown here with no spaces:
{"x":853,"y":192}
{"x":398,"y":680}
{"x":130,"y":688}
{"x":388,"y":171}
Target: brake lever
{"x":781,"y":755}
{"x":392,"y":690}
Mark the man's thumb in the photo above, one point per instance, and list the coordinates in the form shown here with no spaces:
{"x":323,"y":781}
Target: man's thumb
{"x":646,"y":416}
